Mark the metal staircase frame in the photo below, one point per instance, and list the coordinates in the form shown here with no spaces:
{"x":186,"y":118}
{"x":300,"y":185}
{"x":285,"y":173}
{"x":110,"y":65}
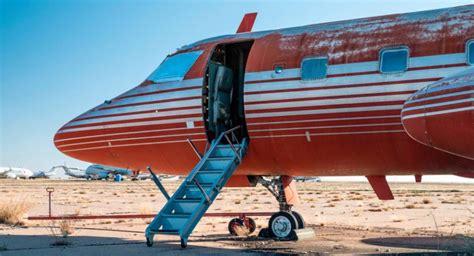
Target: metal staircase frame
{"x":203,"y":203}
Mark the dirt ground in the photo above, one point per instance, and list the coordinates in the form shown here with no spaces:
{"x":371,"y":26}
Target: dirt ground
{"x":346,"y":218}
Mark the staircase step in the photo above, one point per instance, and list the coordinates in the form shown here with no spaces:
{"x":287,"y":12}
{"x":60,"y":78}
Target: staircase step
{"x":187,"y":206}
{"x":176,"y":215}
{"x":224,"y":152}
{"x":211,"y":171}
{"x":165,"y":232}
{"x":203,"y":184}
{"x":217,"y":162}
{"x":220,"y":158}
{"x":228,"y":146}
{"x":208,"y":177}
{"x":188,"y":200}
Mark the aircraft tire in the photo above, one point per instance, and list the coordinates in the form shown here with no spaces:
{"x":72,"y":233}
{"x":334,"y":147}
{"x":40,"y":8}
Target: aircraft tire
{"x":282,"y":225}
{"x":299,"y":219}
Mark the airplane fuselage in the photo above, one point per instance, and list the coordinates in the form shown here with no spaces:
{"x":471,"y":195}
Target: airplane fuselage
{"x":15,"y":173}
{"x":315,"y":100}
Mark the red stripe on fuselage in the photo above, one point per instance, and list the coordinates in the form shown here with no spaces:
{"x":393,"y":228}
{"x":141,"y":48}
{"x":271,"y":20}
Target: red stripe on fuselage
{"x":346,"y":86}
{"x":335,"y":106}
{"x":159,"y":92}
{"x":331,"y":97}
{"x":136,"y":112}
{"x":151,"y":102}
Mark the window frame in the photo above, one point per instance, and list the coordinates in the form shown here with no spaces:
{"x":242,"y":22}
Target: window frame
{"x":468,"y":51}
{"x":393,"y":49}
{"x":312,"y":58}
{"x":155,"y":77}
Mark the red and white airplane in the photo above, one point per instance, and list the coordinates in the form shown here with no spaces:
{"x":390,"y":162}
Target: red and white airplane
{"x":388,"y":95}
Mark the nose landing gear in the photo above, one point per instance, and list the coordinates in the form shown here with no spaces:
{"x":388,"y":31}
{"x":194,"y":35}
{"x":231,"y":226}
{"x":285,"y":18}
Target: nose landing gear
{"x":285,"y":224}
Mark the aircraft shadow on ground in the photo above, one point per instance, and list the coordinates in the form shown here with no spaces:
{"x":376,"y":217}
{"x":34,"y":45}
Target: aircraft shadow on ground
{"x":458,"y":243}
{"x":95,"y":245}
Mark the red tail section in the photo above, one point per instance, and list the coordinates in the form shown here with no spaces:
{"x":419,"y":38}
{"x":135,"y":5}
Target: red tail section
{"x":247,"y":23}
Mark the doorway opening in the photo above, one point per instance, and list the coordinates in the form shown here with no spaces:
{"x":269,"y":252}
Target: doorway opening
{"x":223,"y":91}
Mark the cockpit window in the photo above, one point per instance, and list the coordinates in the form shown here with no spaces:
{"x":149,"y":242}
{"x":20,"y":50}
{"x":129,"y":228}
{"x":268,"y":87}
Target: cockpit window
{"x":175,"y":67}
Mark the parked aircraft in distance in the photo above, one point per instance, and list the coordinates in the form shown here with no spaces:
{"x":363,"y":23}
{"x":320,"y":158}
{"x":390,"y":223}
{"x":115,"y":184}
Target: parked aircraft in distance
{"x":44,"y":175}
{"x":360,"y":97}
{"x":307,"y":179}
{"x":95,"y":172}
{"x":15,"y":173}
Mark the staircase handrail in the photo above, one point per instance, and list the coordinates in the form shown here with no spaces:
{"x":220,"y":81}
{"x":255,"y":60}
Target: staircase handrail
{"x":214,"y":144}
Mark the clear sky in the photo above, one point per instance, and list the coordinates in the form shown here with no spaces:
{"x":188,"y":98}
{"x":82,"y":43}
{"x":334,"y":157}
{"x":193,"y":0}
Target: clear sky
{"x":61,"y":58}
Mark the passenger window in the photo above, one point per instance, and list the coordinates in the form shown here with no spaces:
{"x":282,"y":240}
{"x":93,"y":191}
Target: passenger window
{"x":394,"y":60}
{"x":470,"y":52}
{"x":314,"y":68}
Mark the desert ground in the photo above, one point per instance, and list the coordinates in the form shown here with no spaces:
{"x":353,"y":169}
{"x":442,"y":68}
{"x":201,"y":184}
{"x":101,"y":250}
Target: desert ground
{"x":346,"y":218}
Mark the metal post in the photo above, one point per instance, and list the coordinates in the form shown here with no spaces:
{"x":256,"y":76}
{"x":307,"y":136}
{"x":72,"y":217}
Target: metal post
{"x":50,"y":190}
{"x":158,"y":183}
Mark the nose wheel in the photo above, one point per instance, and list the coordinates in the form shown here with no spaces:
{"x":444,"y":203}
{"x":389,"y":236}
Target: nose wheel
{"x":282,"y":224}
{"x":285,"y":224}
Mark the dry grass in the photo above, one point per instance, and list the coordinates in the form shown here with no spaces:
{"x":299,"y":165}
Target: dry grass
{"x":12,"y":212}
{"x":145,"y":209}
{"x":65,"y":228}
{"x":61,"y":231}
{"x":242,"y":231}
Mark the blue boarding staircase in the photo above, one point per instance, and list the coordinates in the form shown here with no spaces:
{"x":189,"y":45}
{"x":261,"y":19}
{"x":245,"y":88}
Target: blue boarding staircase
{"x":189,"y":203}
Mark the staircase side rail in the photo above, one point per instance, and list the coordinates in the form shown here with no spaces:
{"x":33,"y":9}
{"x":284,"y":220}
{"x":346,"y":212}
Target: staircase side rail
{"x":215,"y":143}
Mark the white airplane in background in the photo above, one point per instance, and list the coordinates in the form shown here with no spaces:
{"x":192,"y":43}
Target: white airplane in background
{"x":15,"y":173}
{"x":73,"y":172}
{"x":307,"y":179}
{"x":43,"y":174}
{"x":95,"y":172}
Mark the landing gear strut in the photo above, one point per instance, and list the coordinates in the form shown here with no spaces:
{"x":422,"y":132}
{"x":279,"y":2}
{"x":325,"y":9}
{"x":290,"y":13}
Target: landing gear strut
{"x":283,"y":224}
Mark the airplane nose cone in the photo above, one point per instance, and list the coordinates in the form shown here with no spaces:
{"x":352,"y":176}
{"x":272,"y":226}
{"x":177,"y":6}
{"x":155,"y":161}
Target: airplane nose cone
{"x":441,"y":115}
{"x":73,"y":138}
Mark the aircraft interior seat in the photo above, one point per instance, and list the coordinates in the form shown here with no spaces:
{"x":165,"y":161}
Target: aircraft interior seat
{"x":223,"y":84}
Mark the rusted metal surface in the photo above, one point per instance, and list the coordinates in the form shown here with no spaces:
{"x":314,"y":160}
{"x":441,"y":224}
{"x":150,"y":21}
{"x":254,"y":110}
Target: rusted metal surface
{"x":347,"y":124}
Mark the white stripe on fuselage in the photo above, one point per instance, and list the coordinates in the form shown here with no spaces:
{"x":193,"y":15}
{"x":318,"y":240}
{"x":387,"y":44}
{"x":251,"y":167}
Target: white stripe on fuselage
{"x":441,"y":96}
{"x":316,"y":103}
{"x":132,"y":124}
{"x":157,"y":114}
{"x":441,"y":112}
{"x":440,"y":104}
{"x":274,"y":85}
{"x":359,"y":67}
{"x":352,"y":80}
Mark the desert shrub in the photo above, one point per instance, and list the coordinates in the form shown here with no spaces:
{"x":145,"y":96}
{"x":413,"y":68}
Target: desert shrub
{"x":12,"y":212}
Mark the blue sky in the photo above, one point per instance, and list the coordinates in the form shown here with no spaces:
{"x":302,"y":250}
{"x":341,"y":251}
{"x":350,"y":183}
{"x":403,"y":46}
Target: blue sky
{"x":61,"y":58}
